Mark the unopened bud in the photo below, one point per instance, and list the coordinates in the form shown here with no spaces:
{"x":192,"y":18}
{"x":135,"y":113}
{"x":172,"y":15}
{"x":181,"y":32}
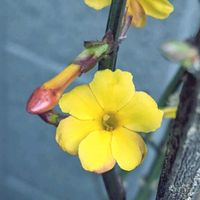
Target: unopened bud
{"x":45,"y":97}
{"x":181,"y":52}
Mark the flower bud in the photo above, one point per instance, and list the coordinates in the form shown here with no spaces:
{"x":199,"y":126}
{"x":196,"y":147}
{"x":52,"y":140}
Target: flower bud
{"x":45,"y":97}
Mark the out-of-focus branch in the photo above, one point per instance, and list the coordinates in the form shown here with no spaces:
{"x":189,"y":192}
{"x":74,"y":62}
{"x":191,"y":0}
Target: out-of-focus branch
{"x":180,"y":177}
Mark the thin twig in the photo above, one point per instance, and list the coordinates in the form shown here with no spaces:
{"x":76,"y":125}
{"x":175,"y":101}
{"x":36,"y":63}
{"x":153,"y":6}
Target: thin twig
{"x":114,"y":23}
{"x":52,"y":117}
{"x":114,"y":185}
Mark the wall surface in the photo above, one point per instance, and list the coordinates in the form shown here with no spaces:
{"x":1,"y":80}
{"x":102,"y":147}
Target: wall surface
{"x":37,"y":39}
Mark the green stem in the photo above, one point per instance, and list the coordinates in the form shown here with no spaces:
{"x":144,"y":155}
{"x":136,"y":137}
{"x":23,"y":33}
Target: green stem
{"x":114,"y":185}
{"x":52,"y":117}
{"x":114,"y":24}
{"x":172,"y":87}
{"x":112,"y":181}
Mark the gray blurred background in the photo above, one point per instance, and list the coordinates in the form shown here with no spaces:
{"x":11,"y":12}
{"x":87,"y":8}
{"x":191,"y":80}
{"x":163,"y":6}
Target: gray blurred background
{"x":37,"y":39}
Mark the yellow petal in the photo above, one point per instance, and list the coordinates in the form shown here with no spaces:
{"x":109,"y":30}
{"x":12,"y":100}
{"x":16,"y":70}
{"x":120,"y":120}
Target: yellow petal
{"x":137,"y":12}
{"x":159,"y":9}
{"x":95,"y":152}
{"x":128,"y":148}
{"x":97,"y":4}
{"x":141,"y":114}
{"x":81,"y":103}
{"x":113,"y":90}
{"x":71,"y":131}
{"x":170,"y":112}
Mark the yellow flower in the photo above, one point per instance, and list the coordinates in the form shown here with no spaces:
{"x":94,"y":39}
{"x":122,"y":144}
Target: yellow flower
{"x":106,"y":115}
{"x":139,"y":9}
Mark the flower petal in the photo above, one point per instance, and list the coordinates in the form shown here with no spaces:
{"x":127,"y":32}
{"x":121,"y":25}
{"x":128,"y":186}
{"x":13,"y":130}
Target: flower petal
{"x":170,"y":112}
{"x":95,"y":152}
{"x":71,"y":131}
{"x":113,"y":90}
{"x":141,"y":114}
{"x":128,"y":148}
{"x":81,"y":103}
{"x":137,"y":12}
{"x":97,"y":4}
{"x":159,"y":9}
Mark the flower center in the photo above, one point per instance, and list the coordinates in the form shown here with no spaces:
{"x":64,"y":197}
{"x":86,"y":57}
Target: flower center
{"x":109,"y":121}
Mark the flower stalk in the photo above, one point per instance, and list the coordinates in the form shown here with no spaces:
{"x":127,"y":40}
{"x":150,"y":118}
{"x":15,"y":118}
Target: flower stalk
{"x":113,"y":184}
{"x":52,"y":117}
{"x":114,"y":24}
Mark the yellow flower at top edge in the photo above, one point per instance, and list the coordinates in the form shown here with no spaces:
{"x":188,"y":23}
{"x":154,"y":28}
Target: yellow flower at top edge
{"x":106,"y":115}
{"x":139,"y":9}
